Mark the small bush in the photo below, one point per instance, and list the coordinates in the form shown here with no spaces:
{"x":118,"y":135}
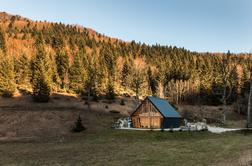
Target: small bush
{"x":122,"y":102}
{"x":56,"y":98}
{"x":95,"y":97}
{"x":126,"y":95}
{"x":84,"y":97}
{"x":110,"y":94}
{"x":204,"y":130}
{"x":7,"y":94}
{"x":78,"y":127}
{"x":246,"y":131}
{"x":41,"y":98}
{"x":114,"y":111}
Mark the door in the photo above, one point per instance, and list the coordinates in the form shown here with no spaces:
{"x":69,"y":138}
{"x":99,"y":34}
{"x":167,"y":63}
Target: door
{"x":155,"y":122}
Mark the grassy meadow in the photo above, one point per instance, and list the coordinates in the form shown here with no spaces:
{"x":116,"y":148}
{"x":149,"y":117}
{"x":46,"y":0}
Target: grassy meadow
{"x":117,"y":147}
{"x":40,"y":134}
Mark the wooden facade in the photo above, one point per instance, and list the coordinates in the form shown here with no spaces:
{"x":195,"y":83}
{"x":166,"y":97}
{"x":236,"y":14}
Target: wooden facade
{"x":147,"y":116}
{"x":155,"y":112}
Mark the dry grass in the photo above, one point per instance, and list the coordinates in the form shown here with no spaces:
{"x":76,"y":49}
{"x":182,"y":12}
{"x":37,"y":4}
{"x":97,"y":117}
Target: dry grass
{"x":115,"y":147}
{"x":234,"y":120}
{"x":21,"y":118}
{"x":39,"y":134}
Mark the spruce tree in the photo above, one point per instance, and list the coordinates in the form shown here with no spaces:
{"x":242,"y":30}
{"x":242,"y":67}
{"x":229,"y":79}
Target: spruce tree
{"x":124,"y":74}
{"x":137,"y":80}
{"x":40,"y":77}
{"x":22,"y":69}
{"x":2,"y":42}
{"x":7,"y":76}
{"x":152,"y":82}
{"x":62,"y":62}
{"x":77,"y":74}
{"x":110,"y":91}
{"x":78,"y":127}
{"x":94,"y":76}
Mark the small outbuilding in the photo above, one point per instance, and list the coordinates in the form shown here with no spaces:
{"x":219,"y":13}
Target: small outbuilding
{"x":155,"y":112}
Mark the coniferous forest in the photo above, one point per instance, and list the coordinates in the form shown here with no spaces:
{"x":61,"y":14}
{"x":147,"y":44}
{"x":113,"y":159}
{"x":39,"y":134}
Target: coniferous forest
{"x":42,"y":58}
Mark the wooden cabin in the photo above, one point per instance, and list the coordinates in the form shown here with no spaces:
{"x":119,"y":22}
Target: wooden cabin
{"x":155,"y":112}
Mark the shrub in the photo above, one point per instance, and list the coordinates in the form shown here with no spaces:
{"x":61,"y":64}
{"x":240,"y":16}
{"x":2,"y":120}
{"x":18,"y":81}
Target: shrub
{"x":95,"y":97}
{"x":110,"y":94}
{"x":122,"y":102}
{"x":204,"y":130}
{"x":7,"y":94}
{"x":114,"y":111}
{"x":78,"y":127}
{"x":126,"y":95}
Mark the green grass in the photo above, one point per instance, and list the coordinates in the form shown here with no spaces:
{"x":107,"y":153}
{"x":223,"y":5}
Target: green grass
{"x":118,"y":147}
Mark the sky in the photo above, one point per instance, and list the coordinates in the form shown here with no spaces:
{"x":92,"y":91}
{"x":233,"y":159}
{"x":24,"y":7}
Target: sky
{"x":197,"y":25}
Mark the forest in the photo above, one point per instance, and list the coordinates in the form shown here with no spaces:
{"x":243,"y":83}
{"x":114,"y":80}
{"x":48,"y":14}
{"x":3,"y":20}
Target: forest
{"x":41,"y":58}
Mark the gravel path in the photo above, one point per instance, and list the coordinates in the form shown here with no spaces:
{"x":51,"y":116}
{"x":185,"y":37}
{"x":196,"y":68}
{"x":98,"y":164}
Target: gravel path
{"x":214,"y":129}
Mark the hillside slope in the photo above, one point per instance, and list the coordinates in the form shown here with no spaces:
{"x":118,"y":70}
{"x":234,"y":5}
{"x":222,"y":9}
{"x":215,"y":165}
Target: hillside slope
{"x":80,"y":60}
{"x":20,"y":118}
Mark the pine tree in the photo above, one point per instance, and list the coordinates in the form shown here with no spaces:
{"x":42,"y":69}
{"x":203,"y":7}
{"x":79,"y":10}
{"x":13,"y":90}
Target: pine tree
{"x":77,"y":73}
{"x":152,"y":82}
{"x":164,"y":76}
{"x":62,"y":62}
{"x":78,"y":127}
{"x":41,"y":90}
{"x":7,"y":76}
{"x":124,"y":74}
{"x":2,"y":42}
{"x":110,"y":91}
{"x":93,"y":76}
{"x":137,"y":80}
{"x":40,"y":77}
{"x":22,"y":70}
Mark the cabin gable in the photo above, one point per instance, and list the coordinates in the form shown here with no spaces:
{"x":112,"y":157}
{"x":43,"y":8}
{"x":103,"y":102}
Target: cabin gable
{"x":147,"y":116}
{"x":155,"y":112}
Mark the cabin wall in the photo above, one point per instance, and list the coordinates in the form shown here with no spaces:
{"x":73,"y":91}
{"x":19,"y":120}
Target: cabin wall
{"x":171,"y":122}
{"x":146,"y":116}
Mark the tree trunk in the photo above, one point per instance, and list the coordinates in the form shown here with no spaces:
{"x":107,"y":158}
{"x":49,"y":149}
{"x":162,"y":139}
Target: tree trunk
{"x":177,"y":92}
{"x":225,"y":112}
{"x":89,"y":97}
{"x":161,"y":90}
{"x":137,"y":92}
{"x":224,"y":104}
{"x":249,"y":101}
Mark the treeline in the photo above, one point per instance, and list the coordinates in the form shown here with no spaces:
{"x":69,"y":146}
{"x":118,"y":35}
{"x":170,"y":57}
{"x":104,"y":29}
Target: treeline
{"x":66,"y":58}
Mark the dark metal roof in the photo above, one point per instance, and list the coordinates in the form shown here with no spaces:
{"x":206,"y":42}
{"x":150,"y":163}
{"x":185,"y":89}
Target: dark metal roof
{"x":164,"y":107}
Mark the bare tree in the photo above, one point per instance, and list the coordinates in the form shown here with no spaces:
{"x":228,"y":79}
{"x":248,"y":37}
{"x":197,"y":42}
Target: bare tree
{"x":249,"y":100}
{"x":250,"y":92}
{"x":227,"y":70}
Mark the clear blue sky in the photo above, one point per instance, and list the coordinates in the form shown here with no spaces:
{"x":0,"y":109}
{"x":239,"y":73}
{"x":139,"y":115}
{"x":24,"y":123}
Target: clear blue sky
{"x":198,"y":25}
